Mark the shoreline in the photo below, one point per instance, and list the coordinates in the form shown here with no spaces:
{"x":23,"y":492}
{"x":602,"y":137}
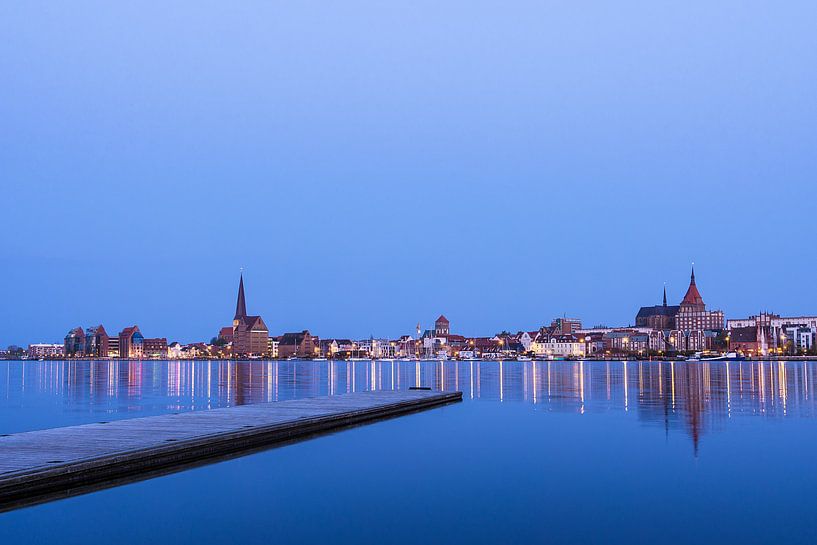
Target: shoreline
{"x":416,"y":360}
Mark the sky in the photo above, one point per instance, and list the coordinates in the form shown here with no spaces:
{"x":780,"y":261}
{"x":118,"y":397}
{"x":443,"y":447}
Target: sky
{"x":372,"y":165}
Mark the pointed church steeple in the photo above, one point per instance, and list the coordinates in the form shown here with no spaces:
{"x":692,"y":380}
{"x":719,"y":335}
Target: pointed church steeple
{"x":241,"y":304}
{"x":693,"y":296}
{"x":665,"y":295}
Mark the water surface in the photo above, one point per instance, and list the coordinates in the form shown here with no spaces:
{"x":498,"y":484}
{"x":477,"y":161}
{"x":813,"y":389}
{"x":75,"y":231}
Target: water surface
{"x":562,"y":452}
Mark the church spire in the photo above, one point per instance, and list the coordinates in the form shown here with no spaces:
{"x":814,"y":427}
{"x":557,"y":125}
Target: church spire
{"x":693,"y":296}
{"x":241,"y":304}
{"x":665,"y":295}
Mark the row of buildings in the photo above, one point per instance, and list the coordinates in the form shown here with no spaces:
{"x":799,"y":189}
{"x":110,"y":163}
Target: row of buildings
{"x":690,"y":327}
{"x":658,"y":330}
{"x":94,"y":342}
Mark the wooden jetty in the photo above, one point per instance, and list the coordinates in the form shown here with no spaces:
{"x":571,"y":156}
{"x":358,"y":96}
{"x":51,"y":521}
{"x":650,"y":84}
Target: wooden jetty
{"x":39,"y":466}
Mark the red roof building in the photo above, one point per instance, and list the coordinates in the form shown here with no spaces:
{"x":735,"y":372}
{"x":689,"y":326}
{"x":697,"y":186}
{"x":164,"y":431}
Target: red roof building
{"x":693,"y":317}
{"x":250,"y":333}
{"x":442,"y":326}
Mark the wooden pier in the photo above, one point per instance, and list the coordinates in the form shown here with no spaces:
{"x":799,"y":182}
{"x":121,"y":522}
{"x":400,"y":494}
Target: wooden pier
{"x":49,"y":464}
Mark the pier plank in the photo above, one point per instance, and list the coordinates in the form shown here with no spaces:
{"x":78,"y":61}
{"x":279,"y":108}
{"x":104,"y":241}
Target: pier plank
{"x":39,"y":465}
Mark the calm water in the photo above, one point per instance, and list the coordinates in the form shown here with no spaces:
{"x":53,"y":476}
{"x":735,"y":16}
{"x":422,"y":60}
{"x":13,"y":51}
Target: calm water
{"x":561,"y":452}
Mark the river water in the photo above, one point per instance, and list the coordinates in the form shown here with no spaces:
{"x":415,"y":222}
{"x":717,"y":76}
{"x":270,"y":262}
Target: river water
{"x":550,"y":452}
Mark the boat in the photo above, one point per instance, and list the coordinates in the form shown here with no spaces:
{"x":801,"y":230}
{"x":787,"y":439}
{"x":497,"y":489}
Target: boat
{"x":523,"y":358}
{"x":319,"y":359}
{"x":728,"y":356}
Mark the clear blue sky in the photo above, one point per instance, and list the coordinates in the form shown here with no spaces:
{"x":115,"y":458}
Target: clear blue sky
{"x":375,"y":164}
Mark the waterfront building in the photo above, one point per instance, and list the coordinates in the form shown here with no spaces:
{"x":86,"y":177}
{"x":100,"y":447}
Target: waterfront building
{"x":750,"y":340}
{"x":363,"y":348}
{"x":154,"y":348}
{"x":250,"y":333}
{"x":692,"y":314}
{"x":113,"y":347}
{"x":336,"y":348}
{"x":658,"y":316}
{"x":74,"y":345}
{"x":12,"y":352}
{"x":92,"y":343}
{"x":509,"y":345}
{"x":174,"y":351}
{"x":251,"y":336}
{"x":272,"y":347}
{"x":383,"y":349}
{"x":196,"y":350}
{"x":96,"y":342}
{"x":432,"y":345}
{"x":405,"y":346}
{"x":486,"y":346}
{"x":442,"y":327}
{"x":798,"y":338}
{"x":558,"y":345}
{"x":527,"y":338}
{"x":329,"y":347}
{"x":593,"y":342}
{"x":45,"y":350}
{"x":130,"y":343}
{"x":627,"y":341}
{"x":694,"y":325}
{"x":565,"y":326}
{"x":439,"y":342}
{"x":455,"y":343}
{"x":226,"y":334}
{"x":632,"y":340}
{"x":773,"y":333}
{"x":300,"y":345}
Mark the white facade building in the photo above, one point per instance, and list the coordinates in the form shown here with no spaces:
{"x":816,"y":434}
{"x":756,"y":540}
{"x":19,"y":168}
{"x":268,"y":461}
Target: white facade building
{"x":556,"y":346}
{"x":382,"y":348}
{"x":45,"y":350}
{"x":174,"y":351}
{"x":800,"y":331}
{"x":272,"y":347}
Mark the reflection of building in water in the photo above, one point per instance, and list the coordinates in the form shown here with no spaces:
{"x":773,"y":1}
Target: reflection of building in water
{"x":693,"y":397}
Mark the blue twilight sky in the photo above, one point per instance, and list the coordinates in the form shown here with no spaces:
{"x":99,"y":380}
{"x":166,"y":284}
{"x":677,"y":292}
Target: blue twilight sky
{"x":375,"y":164}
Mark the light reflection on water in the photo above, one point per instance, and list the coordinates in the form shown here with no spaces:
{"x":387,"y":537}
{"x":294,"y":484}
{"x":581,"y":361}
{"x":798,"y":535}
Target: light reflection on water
{"x":693,"y":397}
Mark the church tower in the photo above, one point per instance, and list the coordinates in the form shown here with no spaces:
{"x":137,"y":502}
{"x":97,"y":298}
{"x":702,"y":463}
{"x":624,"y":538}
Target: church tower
{"x":240,"y":304}
{"x":693,"y":300}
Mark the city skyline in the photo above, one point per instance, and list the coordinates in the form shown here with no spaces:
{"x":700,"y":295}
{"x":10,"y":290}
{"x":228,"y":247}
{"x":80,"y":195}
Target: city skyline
{"x":249,"y":334}
{"x":300,"y":272}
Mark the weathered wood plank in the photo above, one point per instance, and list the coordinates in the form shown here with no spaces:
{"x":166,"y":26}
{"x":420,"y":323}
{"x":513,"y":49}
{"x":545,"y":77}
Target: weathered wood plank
{"x":39,"y":465}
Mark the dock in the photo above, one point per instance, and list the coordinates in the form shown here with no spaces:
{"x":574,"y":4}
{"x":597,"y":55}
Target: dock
{"x":43,"y":465}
